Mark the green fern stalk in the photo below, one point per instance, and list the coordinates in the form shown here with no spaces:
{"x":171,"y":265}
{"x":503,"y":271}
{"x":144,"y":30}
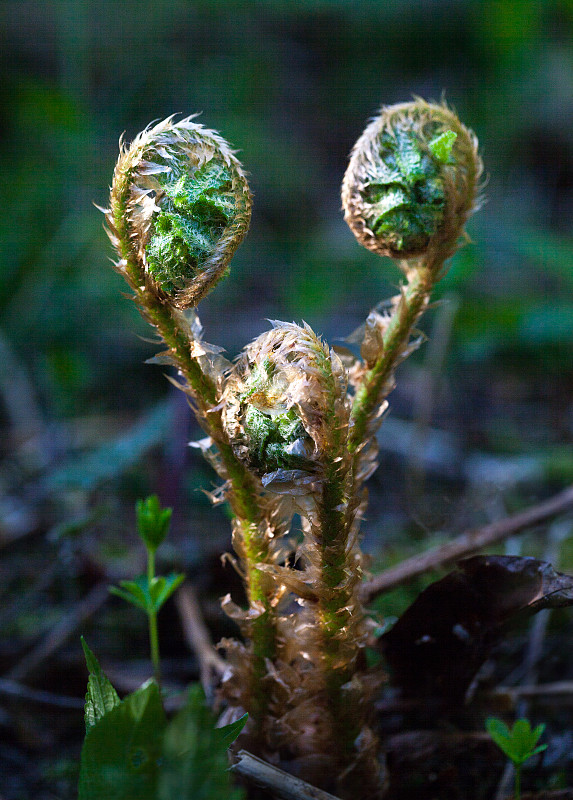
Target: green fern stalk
{"x":410,"y":186}
{"x":132,"y":227}
{"x":411,"y":304}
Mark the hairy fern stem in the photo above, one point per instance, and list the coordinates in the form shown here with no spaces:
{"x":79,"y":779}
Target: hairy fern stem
{"x":286,"y":435}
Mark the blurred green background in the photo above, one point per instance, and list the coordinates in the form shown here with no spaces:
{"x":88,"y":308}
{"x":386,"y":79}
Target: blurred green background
{"x":291,"y":85}
{"x":87,"y":426}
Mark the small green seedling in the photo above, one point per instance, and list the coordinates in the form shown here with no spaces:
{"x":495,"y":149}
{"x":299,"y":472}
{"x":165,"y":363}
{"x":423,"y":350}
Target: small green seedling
{"x":519,"y":744}
{"x":152,"y":521}
{"x":149,"y":592}
{"x":131,"y":750}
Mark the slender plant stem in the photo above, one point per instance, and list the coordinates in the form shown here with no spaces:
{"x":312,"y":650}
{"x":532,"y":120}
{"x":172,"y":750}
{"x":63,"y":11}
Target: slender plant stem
{"x":376,"y":384}
{"x":411,"y":304}
{"x":242,"y":496}
{"x":517,"y":781}
{"x":152,"y":618}
{"x":333,"y":541}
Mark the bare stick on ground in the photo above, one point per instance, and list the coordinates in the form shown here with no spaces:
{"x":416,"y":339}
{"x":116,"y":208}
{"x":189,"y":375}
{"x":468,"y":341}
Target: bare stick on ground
{"x":467,"y":544}
{"x":560,"y":692}
{"x":211,"y":665}
{"x":282,"y":784}
{"x":13,"y":689}
{"x":56,"y":637}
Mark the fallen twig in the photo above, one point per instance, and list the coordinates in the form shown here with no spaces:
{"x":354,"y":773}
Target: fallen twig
{"x":211,"y":665}
{"x":467,"y":544}
{"x":560,"y":691}
{"x":279,"y":782}
{"x":14,"y":689}
{"x":60,"y":632}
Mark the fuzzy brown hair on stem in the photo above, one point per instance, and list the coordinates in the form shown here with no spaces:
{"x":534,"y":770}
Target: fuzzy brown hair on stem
{"x":286,"y":411}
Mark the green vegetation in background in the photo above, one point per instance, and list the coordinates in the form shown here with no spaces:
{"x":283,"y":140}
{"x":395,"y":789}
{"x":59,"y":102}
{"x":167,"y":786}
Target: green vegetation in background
{"x":78,"y":82}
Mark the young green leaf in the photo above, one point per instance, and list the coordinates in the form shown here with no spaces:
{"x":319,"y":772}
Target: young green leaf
{"x":228,"y":733}
{"x":152,"y":521}
{"x":149,"y":596}
{"x":520,"y":742}
{"x":195,"y":765}
{"x":500,"y":734}
{"x":161,"y":588}
{"x":135,"y":592}
{"x":101,"y":697}
{"x":121,"y":753}
{"x":525,"y":739}
{"x":441,"y":146}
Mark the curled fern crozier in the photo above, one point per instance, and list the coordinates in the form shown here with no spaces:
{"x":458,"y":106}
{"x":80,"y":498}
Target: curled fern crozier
{"x":412,"y":181}
{"x":180,"y":206}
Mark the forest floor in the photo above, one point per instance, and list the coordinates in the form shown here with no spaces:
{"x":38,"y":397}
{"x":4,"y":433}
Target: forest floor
{"x":68,"y":534}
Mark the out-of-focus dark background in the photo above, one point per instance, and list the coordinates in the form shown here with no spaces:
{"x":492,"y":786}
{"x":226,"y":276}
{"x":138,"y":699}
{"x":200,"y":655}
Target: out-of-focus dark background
{"x":482,"y":422}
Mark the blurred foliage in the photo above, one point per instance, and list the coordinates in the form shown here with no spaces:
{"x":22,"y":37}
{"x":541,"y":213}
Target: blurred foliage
{"x":291,"y":85}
